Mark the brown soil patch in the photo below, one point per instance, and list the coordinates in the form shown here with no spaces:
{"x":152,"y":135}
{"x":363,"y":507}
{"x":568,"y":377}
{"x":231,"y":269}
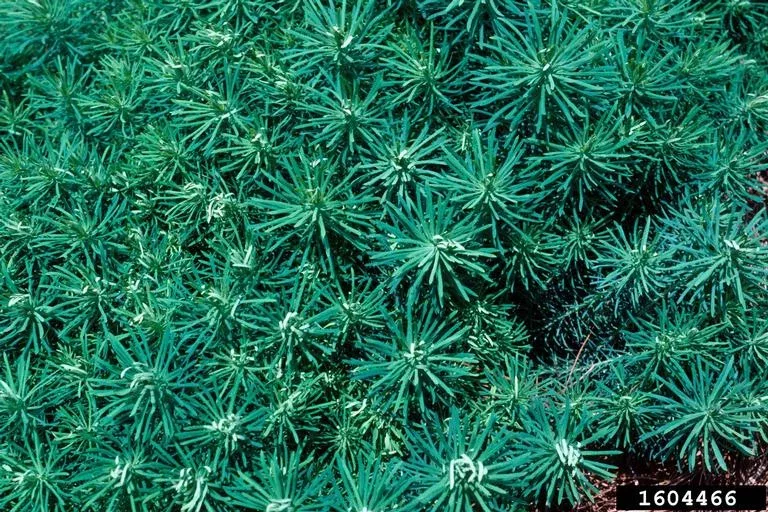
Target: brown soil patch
{"x":744,"y":471}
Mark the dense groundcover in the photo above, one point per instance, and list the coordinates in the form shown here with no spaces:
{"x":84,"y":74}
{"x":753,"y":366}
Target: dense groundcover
{"x":377,"y":255}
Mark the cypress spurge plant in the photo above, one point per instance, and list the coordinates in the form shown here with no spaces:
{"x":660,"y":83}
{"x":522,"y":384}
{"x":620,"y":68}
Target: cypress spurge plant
{"x":347,"y":34}
{"x":367,"y":484}
{"x":313,"y":203}
{"x":434,"y":246}
{"x":543,"y":65}
{"x":377,"y":255}
{"x":486,"y":184}
{"x":402,"y":160}
{"x":587,"y":161}
{"x":419,"y":366}
{"x":705,"y":417}
{"x":625,"y":408}
{"x":147,"y":385}
{"x":461,"y":466}
{"x":33,"y":477}
{"x":348,"y":114}
{"x":554,"y":456}
{"x":636,"y":267}
{"x":426,"y":70}
{"x":283,"y":481}
{"x":721,"y":257}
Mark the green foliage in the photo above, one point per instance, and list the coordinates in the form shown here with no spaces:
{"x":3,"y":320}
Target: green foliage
{"x":636,"y":265}
{"x":346,"y":35}
{"x":425,"y":73}
{"x":434,"y":245}
{"x":403,"y":159}
{"x":377,"y":255}
{"x":417,"y":364}
{"x":703,"y":414}
{"x":542,"y":68}
{"x":554,"y":460}
{"x":484,"y":185}
{"x":282,"y":481}
{"x":347,"y":117}
{"x":314,"y":204}
{"x":463,"y":466}
{"x":369,"y":487}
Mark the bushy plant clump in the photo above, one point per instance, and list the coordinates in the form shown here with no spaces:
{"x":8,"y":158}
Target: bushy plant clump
{"x":369,"y":255}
